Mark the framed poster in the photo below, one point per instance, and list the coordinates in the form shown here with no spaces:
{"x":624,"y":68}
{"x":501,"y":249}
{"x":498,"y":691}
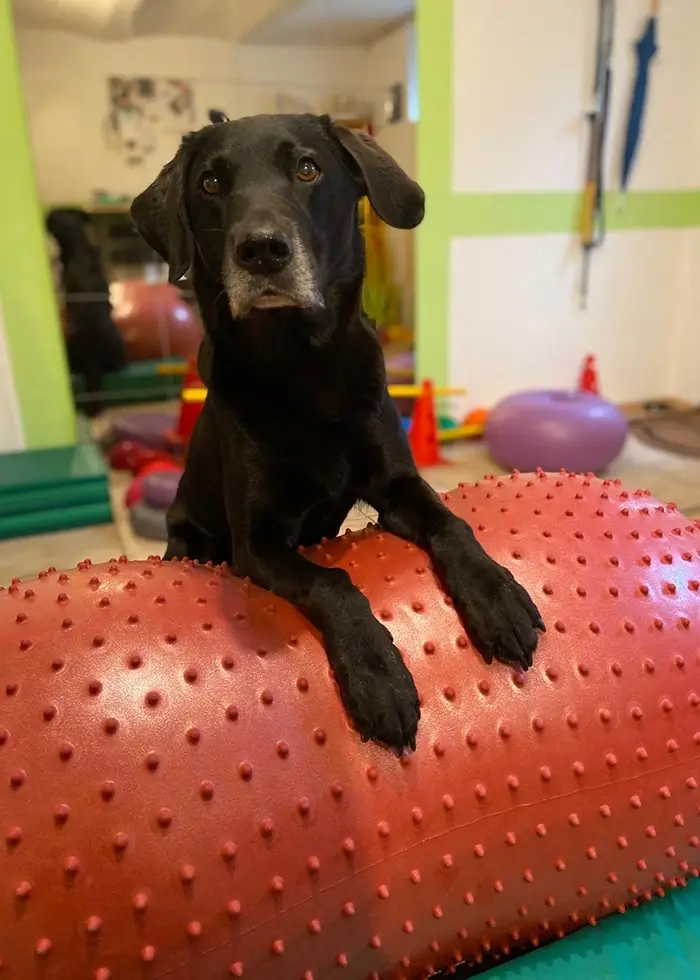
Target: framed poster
{"x":142,"y":110}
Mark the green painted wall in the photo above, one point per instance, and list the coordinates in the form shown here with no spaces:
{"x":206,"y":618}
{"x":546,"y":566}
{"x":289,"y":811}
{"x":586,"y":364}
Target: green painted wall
{"x":29,"y":309}
{"x":450,"y":215}
{"x":434,"y":170}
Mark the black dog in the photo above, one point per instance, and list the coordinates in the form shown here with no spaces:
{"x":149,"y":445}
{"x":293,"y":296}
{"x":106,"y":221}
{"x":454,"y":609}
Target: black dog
{"x":94,"y":344}
{"x":298,"y":424}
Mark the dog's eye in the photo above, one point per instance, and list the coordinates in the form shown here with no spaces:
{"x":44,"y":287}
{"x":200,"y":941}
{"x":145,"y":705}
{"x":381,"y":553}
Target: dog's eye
{"x":211,"y":184}
{"x":308,"y":170}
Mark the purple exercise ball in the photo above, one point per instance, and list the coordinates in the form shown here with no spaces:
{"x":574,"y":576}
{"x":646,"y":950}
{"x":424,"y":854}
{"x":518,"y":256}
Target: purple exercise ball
{"x":554,"y":430}
{"x":159,"y":489}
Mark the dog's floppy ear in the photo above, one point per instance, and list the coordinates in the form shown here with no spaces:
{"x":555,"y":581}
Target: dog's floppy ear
{"x":397,"y":199}
{"x":160,"y":215}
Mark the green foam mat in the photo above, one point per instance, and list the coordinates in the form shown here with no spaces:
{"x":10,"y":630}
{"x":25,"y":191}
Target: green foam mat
{"x":34,"y":499}
{"x":57,"y":519}
{"x":50,"y":467}
{"x":140,"y":381}
{"x":52,"y":490}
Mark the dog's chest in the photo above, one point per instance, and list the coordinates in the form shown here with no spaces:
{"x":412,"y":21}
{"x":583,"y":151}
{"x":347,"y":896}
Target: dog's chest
{"x":311,"y":426}
{"x":311,"y":472}
{"x":303,"y":435}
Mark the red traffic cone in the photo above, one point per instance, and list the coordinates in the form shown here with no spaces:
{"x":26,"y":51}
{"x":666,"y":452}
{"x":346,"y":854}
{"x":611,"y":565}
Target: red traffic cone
{"x":192,"y":378}
{"x":190,"y":410}
{"x":189,"y":413}
{"x":588,"y":381}
{"x":423,"y":434}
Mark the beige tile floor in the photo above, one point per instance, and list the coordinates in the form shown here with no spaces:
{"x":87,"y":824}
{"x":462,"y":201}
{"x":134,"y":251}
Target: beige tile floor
{"x":667,"y":476}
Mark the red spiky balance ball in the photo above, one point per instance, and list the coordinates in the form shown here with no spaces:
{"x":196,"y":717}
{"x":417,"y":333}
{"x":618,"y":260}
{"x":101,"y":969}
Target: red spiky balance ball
{"x":181,"y":794}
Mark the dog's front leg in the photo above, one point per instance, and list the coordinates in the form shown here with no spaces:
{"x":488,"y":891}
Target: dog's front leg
{"x":376,"y":687}
{"x":498,"y":614}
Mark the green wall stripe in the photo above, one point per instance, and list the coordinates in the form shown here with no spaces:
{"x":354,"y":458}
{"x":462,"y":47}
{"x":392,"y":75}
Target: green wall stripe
{"x":557,"y":213}
{"x":653,"y":209}
{"x":450,"y":215}
{"x":434,"y":170}
{"x":29,"y":309}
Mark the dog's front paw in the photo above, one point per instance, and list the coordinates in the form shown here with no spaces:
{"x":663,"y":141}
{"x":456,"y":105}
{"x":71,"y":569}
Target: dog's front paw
{"x":376,"y":687}
{"x":500,"y":617}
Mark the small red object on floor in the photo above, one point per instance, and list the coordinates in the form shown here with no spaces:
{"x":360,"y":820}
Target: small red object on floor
{"x":134,"y":457}
{"x":423,"y":434}
{"x":588,"y":380}
{"x":161,"y":465}
{"x":134,"y":492}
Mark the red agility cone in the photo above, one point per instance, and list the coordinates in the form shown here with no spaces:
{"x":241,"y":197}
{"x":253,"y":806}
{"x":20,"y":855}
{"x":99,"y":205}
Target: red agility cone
{"x":189,"y":413}
{"x":422,"y":435}
{"x":192,"y":378}
{"x":190,"y":409}
{"x":588,"y":380}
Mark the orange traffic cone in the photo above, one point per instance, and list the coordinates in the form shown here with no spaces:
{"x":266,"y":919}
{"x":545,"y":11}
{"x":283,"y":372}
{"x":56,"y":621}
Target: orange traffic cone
{"x":423,"y":434}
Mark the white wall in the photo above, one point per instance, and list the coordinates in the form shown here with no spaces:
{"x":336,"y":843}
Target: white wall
{"x":516,"y":323}
{"x":11,"y":431}
{"x":64,"y":77}
{"x":388,"y":63}
{"x":684,"y":343}
{"x":522,"y":82}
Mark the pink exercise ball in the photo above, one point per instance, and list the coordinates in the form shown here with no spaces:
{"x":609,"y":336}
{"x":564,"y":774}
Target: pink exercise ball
{"x":155,"y":321}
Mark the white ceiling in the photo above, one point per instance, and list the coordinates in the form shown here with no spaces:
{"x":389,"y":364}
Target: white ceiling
{"x":96,"y":18}
{"x":219,"y":19}
{"x":257,"y":21}
{"x":331,"y":21}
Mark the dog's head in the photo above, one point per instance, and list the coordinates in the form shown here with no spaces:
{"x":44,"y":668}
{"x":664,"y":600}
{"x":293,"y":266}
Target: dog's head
{"x":268,"y":204}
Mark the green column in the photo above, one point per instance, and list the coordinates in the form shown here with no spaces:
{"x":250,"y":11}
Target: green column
{"x":30,"y":316}
{"x":434,"y":168}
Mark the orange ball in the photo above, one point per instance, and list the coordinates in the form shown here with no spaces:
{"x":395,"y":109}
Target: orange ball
{"x":477,"y":416}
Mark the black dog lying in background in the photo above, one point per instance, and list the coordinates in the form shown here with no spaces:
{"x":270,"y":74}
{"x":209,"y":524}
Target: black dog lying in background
{"x":93,"y":342}
{"x":298,"y":424}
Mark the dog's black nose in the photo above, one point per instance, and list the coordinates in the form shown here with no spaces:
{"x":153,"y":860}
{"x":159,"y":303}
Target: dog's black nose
{"x":263,"y":252}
